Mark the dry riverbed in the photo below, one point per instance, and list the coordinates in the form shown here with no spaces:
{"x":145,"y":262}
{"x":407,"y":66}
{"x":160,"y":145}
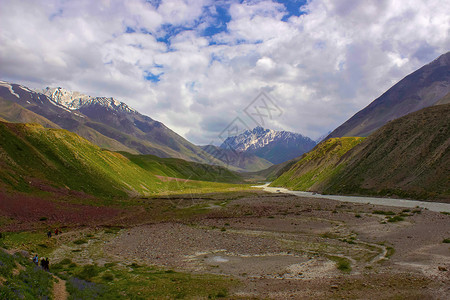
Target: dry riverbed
{"x":283,"y":246}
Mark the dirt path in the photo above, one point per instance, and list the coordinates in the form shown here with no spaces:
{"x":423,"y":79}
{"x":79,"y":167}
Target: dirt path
{"x":59,"y":289}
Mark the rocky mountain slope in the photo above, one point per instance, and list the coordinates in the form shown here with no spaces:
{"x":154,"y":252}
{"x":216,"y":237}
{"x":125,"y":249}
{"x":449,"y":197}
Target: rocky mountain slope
{"x":408,"y":157}
{"x":423,"y":88}
{"x":105,"y":122}
{"x":274,"y":146}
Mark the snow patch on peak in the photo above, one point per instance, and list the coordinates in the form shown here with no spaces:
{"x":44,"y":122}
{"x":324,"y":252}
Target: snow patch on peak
{"x":9,"y":86}
{"x":76,"y":100}
{"x":259,"y":137}
{"x":63,"y":97}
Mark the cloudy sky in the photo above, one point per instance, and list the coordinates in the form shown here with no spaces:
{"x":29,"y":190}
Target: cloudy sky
{"x":196,"y":65}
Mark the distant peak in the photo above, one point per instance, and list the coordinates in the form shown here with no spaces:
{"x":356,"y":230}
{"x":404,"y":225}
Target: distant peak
{"x":75,"y":100}
{"x":259,"y":129}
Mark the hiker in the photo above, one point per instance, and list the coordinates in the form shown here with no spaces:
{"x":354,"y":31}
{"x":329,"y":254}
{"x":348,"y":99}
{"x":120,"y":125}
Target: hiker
{"x":36,"y":260}
{"x":47,"y":263}
{"x":56,"y":231}
{"x":49,"y":234}
{"x":43,"y":263}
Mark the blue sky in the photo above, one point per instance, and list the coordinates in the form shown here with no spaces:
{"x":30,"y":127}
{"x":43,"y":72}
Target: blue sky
{"x":196,"y":65}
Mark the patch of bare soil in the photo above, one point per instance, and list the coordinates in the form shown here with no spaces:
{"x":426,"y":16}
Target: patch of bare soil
{"x":283,"y":246}
{"x":59,"y":290}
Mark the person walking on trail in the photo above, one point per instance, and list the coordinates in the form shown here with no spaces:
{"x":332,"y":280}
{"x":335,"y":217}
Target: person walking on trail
{"x":49,"y":234}
{"x":36,"y":260}
{"x":47,"y":263}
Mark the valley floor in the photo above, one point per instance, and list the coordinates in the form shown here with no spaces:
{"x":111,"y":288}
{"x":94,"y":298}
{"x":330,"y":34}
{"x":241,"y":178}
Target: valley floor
{"x":247,"y":245}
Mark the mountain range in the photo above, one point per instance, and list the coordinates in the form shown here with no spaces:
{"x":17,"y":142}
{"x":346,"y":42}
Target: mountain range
{"x":274,"y":146}
{"x":396,"y":146}
{"x":106,"y":122}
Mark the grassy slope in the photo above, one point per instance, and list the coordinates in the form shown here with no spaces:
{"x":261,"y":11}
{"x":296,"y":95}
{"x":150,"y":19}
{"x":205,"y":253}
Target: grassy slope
{"x":21,"y":279}
{"x":408,"y":157}
{"x":60,"y":159}
{"x":174,"y":167}
{"x":13,"y":112}
{"x":237,"y":161}
{"x":34,"y":158}
{"x":318,"y":165}
{"x":271,"y":173}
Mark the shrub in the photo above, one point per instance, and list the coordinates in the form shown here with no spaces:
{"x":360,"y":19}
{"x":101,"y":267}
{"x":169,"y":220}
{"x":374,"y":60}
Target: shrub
{"x":80,"y":242}
{"x":382,"y":212}
{"x":88,"y":271}
{"x":396,"y":219}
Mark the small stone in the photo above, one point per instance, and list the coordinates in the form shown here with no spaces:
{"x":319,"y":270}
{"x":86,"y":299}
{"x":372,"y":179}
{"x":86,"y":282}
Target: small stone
{"x":334,"y":287}
{"x":443,"y":269}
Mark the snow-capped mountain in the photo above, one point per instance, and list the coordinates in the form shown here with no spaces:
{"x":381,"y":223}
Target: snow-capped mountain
{"x":275,"y":146}
{"x":106,"y":122}
{"x":76,"y":100}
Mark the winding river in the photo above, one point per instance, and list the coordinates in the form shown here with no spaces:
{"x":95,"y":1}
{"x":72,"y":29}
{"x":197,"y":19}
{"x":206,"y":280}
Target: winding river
{"x":433,"y":206}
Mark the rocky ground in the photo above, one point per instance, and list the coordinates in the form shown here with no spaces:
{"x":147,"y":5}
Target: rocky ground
{"x":282,"y":246}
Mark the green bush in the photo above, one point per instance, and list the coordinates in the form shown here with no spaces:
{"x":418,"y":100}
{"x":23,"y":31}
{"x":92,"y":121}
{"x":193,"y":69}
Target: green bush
{"x":80,"y":242}
{"x":396,"y":219}
{"x":382,"y":212}
{"x":88,"y":271}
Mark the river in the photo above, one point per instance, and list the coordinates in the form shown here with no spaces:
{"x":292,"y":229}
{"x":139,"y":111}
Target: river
{"x":433,"y":206}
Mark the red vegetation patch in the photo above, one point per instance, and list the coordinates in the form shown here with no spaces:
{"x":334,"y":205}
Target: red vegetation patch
{"x":27,"y":211}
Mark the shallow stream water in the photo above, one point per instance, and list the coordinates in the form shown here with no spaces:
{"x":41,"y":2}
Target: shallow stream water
{"x":433,"y":206}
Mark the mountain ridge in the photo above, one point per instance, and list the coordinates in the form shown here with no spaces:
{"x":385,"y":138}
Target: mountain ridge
{"x":274,"y":146}
{"x":422,"y":88}
{"x":107,"y":122}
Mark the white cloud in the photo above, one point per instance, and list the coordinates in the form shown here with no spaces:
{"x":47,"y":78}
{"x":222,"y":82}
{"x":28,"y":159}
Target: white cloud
{"x":321,"y":66}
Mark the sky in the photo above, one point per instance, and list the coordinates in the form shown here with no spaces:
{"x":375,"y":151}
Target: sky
{"x":200,"y":66}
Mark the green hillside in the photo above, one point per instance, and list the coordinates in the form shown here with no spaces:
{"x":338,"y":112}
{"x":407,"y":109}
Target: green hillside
{"x":317,"y":166}
{"x":37,"y":159}
{"x":237,"y":161}
{"x":408,"y":157}
{"x":174,"y":167}
{"x":34,"y":157}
